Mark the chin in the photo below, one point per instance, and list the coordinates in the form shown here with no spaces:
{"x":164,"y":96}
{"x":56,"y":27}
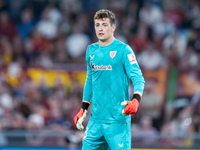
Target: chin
{"x":102,"y":39}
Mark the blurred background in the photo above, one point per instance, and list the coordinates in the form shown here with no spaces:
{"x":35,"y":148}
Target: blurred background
{"x":43,"y":69}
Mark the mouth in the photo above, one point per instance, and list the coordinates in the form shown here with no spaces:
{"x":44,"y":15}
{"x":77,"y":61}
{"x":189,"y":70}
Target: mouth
{"x":101,"y":34}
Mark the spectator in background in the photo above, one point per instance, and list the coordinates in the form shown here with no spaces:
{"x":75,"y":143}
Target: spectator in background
{"x":192,"y":14}
{"x":7,"y":26}
{"x":38,"y":7}
{"x":189,"y":60}
{"x":174,"y":46}
{"x":133,"y":14}
{"x":5,"y":51}
{"x":181,"y":122}
{"x":140,"y":39}
{"x":6,"y":100}
{"x":44,"y":60}
{"x":77,"y":52}
{"x":150,"y":14}
{"x":150,"y":58}
{"x":74,"y":6}
{"x":3,"y":5}
{"x":164,"y":26}
{"x":15,"y":7}
{"x":144,"y":130}
{"x":26,"y":24}
{"x":174,"y":12}
{"x":35,"y":121}
{"x":48,"y":24}
{"x":153,"y":102}
{"x":53,"y":14}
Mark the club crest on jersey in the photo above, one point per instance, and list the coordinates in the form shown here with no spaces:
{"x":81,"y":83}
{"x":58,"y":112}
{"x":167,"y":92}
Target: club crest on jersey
{"x":112,"y":54}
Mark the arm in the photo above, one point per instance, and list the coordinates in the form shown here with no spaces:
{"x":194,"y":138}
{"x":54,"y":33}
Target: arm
{"x":87,"y":96}
{"x":135,"y":74}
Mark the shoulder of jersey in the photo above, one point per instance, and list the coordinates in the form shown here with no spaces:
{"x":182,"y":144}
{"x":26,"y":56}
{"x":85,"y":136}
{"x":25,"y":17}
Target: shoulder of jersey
{"x":117,"y":42}
{"x":120,"y":43}
{"x":94,"y":45}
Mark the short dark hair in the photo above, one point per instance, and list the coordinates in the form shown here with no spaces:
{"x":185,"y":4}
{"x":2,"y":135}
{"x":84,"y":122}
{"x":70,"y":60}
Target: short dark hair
{"x":104,"y":13}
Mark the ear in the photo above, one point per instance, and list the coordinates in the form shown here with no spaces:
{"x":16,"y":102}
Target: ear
{"x":113,"y":27}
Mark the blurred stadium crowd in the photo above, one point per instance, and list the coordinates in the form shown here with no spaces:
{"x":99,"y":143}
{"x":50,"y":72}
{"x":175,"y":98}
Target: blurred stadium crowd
{"x":54,"y":34}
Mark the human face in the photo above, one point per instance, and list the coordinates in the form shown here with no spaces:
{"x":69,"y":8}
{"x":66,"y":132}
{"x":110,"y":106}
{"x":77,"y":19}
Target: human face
{"x":104,"y":30}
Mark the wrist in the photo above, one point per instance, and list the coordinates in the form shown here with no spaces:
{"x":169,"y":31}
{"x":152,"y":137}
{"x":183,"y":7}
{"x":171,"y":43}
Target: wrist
{"x":85,"y":105}
{"x":137,"y":96}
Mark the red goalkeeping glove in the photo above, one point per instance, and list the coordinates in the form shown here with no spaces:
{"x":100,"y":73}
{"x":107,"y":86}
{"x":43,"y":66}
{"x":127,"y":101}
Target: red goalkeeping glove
{"x":132,"y":106}
{"x":80,"y":117}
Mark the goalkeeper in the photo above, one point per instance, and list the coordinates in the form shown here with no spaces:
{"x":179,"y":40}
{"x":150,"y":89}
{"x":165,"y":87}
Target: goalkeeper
{"x":110,"y":66}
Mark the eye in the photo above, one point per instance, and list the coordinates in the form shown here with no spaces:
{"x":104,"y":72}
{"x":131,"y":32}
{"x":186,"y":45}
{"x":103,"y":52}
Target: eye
{"x":96,"y":25}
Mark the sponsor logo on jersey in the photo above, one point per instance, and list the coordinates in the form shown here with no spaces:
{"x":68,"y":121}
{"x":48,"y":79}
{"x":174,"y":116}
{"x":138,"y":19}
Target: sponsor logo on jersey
{"x":132,"y":58}
{"x":102,"y":67}
{"x":112,"y":54}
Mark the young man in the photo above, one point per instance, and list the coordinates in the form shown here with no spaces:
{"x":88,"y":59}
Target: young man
{"x":110,"y":66}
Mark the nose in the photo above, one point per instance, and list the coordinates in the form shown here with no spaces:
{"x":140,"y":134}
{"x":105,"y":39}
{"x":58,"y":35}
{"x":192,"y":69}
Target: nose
{"x":100,"y":28}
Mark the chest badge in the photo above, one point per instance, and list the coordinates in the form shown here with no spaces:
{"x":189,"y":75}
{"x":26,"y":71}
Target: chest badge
{"x":112,"y":54}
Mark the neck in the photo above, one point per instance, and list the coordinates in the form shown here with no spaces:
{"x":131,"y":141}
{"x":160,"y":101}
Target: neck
{"x":106,"y":42}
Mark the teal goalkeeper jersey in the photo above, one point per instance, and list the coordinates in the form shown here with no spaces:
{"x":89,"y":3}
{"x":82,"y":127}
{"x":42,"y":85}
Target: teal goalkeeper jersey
{"x":109,"y":70}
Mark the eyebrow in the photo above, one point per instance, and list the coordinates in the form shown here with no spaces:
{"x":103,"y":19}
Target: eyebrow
{"x":105,"y":23}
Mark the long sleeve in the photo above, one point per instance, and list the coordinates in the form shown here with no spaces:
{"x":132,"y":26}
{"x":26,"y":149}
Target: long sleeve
{"x":133,"y":70}
{"x":87,"y":92}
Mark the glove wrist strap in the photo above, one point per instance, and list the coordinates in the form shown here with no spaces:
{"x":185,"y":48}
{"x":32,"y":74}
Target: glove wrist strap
{"x":137,"y":96}
{"x":85,"y":105}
